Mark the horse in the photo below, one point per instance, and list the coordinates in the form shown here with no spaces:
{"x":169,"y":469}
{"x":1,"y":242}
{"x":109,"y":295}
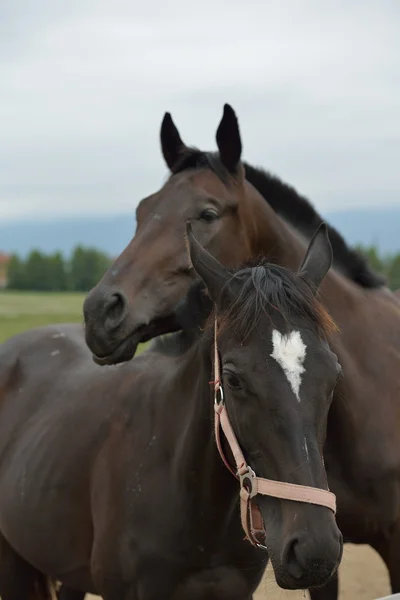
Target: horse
{"x":119,"y":488}
{"x":239,"y":212}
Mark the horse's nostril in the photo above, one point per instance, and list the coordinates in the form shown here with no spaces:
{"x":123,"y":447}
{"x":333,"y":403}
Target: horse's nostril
{"x":115,"y":310}
{"x":310,"y":560}
{"x":291,"y":560}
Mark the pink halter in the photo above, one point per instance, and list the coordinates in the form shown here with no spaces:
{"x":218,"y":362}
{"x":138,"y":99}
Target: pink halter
{"x":250,"y":484}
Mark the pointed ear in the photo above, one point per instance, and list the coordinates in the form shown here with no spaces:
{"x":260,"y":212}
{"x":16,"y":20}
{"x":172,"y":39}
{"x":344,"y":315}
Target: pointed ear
{"x":318,"y":258}
{"x":228,"y":140}
{"x":171,"y":144}
{"x":214,"y":275}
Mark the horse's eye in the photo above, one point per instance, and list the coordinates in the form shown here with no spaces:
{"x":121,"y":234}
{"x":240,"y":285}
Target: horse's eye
{"x":232,"y":381}
{"x":208,"y":215}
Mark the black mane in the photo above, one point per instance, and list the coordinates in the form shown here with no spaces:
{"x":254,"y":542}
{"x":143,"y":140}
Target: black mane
{"x":300,"y":213}
{"x":268,"y":289}
{"x":295,"y":209}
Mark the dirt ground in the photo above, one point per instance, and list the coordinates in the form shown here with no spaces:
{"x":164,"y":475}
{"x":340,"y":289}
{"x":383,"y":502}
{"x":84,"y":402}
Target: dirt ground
{"x":363,"y":576}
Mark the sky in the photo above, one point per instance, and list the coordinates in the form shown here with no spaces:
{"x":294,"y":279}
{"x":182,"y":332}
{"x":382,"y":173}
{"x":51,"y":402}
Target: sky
{"x":84,"y":85}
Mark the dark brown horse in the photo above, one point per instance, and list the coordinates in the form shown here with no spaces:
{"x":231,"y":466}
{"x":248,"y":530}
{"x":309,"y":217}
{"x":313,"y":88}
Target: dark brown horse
{"x":240,"y":212}
{"x":111,"y":479}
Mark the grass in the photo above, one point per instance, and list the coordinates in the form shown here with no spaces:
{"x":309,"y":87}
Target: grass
{"x":20,"y":311}
{"x":24,"y":310}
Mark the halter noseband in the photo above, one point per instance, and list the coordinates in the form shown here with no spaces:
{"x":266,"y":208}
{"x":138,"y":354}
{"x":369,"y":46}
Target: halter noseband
{"x":250,"y":484}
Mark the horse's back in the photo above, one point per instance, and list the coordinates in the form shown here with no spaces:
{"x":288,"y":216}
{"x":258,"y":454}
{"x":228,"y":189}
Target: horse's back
{"x":49,"y":383}
{"x":60,"y":416}
{"x":34,"y":367}
{"x":56,"y":410}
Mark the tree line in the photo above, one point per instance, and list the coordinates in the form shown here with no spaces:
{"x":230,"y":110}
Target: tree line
{"x":86,"y":266}
{"x":388,"y":265}
{"x":55,"y":273}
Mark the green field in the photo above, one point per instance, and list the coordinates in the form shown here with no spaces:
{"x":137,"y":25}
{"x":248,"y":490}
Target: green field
{"x":23,"y":310}
{"x":20,"y":311}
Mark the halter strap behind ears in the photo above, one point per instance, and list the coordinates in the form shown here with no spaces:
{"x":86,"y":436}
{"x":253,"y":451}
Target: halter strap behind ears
{"x":250,"y":484}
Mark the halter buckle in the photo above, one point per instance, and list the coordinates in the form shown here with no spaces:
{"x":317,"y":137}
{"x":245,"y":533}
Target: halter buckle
{"x":248,"y":481}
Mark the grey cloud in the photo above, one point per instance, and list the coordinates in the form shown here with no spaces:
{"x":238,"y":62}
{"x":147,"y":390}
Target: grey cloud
{"x":84,"y":85}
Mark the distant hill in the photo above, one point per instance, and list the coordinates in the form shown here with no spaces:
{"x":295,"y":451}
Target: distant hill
{"x":380,"y":226}
{"x":110,"y":233}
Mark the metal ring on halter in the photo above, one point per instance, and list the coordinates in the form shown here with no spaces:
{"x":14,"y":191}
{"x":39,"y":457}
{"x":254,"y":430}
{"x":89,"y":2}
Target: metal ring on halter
{"x":261,"y":547}
{"x":219,"y":396}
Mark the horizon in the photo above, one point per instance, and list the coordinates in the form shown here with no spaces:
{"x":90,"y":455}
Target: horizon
{"x":111,"y":233}
{"x":50,"y":218}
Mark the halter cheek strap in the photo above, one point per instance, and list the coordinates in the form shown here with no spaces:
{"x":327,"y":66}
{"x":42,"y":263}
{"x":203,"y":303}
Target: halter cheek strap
{"x":250,"y":484}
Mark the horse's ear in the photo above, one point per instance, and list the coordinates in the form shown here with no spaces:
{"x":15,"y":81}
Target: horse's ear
{"x":214,"y":275}
{"x":228,"y":140}
{"x":318,"y":258}
{"x":171,"y":144}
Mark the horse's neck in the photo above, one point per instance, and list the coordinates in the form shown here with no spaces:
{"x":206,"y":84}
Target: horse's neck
{"x":269,"y":236}
{"x":280,"y":243}
{"x":361,"y":315}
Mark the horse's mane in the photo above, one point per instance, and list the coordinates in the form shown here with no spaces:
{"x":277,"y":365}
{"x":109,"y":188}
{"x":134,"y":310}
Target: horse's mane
{"x":295,"y":209}
{"x":270,"y":289}
{"x":300,"y":213}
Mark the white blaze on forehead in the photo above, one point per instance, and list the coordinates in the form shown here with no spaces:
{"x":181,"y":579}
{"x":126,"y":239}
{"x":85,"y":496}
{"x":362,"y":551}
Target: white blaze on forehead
{"x":290,"y":352}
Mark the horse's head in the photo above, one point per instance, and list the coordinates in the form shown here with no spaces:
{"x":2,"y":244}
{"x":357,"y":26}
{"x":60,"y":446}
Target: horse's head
{"x":278,"y":378}
{"x":137,"y":297}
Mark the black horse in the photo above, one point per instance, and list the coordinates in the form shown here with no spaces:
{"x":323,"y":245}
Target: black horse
{"x":111,"y":479}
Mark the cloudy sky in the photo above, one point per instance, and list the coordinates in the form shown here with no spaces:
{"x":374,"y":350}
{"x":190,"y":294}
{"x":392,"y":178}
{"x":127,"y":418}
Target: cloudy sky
{"x":84,"y":85}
